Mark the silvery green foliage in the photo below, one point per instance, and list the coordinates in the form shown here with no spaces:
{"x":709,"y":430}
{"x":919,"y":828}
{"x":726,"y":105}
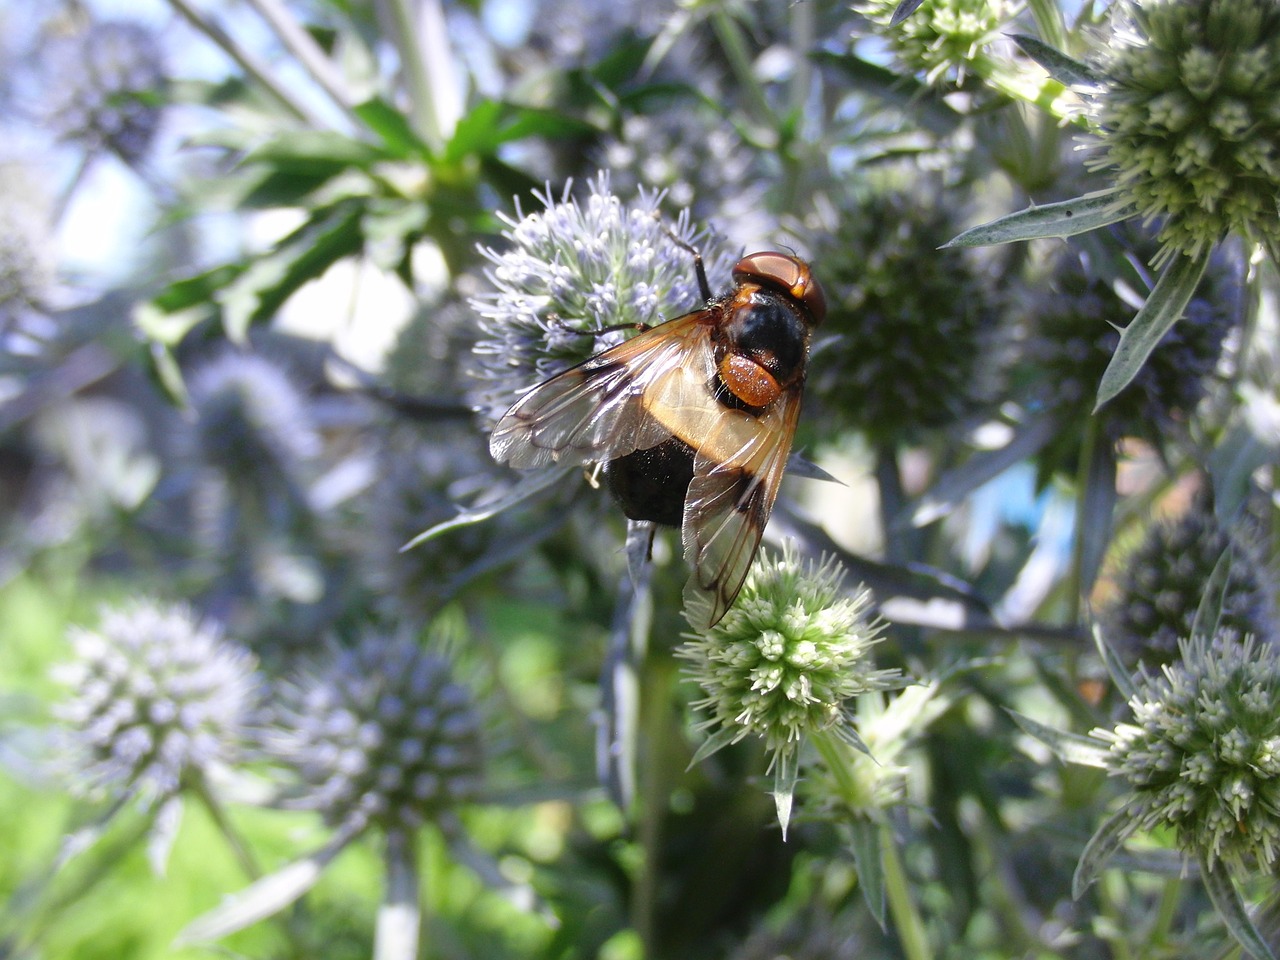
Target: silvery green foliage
{"x":157,"y":702}
{"x":100,"y":81}
{"x":376,"y":734}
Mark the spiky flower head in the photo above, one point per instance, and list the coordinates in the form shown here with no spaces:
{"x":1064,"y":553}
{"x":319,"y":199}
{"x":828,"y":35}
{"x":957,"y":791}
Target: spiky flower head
{"x":573,"y":271}
{"x":1202,"y":754}
{"x":377,"y":734}
{"x":942,"y":39}
{"x":252,"y":424}
{"x":105,"y":82}
{"x":1163,"y":580}
{"x":1074,"y":316}
{"x":26,"y":255}
{"x":158,"y":701}
{"x":1187,"y":116}
{"x":789,"y":656}
{"x":913,"y":325}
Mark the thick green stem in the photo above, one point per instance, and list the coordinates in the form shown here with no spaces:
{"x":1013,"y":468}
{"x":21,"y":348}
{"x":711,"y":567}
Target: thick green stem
{"x":418,"y":29}
{"x":906,"y":918}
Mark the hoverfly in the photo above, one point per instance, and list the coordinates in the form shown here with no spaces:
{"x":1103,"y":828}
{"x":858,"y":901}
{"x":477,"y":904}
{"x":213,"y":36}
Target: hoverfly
{"x":691,"y":421}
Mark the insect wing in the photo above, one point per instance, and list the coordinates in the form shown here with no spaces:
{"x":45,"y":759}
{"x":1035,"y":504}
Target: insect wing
{"x":736,"y":475}
{"x":597,"y":410}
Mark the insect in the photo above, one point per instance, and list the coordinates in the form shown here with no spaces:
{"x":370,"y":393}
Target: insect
{"x":691,"y":420}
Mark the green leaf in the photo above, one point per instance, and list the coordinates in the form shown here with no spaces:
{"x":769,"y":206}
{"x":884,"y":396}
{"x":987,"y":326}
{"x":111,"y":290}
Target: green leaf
{"x":1066,"y":70}
{"x":527,"y":486}
{"x":1226,"y":900}
{"x":1238,"y":454}
{"x":1110,"y":837}
{"x":392,"y":128}
{"x":256,"y":294}
{"x":903,"y":10}
{"x":492,"y":123}
{"x":1164,"y":307}
{"x":1120,"y":676}
{"x":864,"y":838}
{"x":1067,"y":747}
{"x":1097,"y":507}
{"x":1213,"y":600}
{"x":786,"y":772}
{"x":314,"y":153}
{"x":1065,"y":219}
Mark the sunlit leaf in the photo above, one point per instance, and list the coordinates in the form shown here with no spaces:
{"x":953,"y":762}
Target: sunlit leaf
{"x":1065,"y":219}
{"x":1066,"y":70}
{"x":1226,"y":900}
{"x":1110,"y":837}
{"x":1164,"y":307}
{"x":1067,"y":747}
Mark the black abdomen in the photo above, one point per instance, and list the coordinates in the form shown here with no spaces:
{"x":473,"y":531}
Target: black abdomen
{"x":652,"y":484}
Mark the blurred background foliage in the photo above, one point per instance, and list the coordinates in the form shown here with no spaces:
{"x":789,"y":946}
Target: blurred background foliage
{"x":242,"y":256}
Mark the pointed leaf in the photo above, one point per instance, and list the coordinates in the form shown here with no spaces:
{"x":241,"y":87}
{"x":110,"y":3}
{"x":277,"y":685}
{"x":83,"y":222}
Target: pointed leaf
{"x":904,"y":9}
{"x":1110,"y":837}
{"x":526,"y":487}
{"x":164,"y":831}
{"x":1067,"y":747}
{"x":1097,"y":507}
{"x":1066,"y":70}
{"x":864,"y":838}
{"x":1226,"y":900}
{"x":1121,"y":676}
{"x":262,"y":898}
{"x":463,"y":851}
{"x":955,"y":485}
{"x":717,"y":741}
{"x":1164,"y":307}
{"x":1214,"y":599}
{"x":392,"y":128}
{"x":1065,"y":219}
{"x":786,"y":773}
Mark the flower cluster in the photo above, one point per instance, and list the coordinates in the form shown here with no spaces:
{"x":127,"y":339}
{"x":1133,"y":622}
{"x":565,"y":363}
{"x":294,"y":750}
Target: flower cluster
{"x":1074,"y":319}
{"x":1188,"y":121}
{"x":575,"y":275}
{"x":1202,"y":754}
{"x":378,"y":734}
{"x":103,"y":79}
{"x":913,"y":324}
{"x":943,"y":38}
{"x":788,"y":656}
{"x":1160,"y":588}
{"x":158,"y":701}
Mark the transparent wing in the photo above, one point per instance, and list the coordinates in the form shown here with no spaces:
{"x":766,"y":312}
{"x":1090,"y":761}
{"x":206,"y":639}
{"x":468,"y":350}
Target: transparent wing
{"x":599,"y":410}
{"x":736,"y":475}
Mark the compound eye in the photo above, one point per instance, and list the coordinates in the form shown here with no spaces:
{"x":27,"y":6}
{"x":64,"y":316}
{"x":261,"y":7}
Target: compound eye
{"x":781,"y":271}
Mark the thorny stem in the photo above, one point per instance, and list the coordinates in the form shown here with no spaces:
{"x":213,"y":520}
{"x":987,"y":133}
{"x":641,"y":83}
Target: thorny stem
{"x":249,"y":63}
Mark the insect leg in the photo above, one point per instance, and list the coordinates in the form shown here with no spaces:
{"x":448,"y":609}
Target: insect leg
{"x":703,"y":286}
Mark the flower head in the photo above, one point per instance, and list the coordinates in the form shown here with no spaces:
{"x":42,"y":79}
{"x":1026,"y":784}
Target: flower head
{"x":1160,"y":588}
{"x":788,"y":656}
{"x":575,"y":275}
{"x":377,"y":734}
{"x":1188,"y":120}
{"x":158,"y":701}
{"x":914,"y":323}
{"x":1202,"y":754}
{"x":943,"y":37}
{"x":103,"y":80}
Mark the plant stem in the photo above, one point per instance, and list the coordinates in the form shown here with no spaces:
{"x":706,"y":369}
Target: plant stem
{"x":255,"y":68}
{"x":308,"y":53}
{"x":906,"y":918}
{"x":229,"y":833}
{"x":735,"y":49}
{"x":418,"y":31}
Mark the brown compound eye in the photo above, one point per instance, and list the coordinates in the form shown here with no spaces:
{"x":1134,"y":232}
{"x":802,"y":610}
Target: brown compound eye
{"x":788,"y":274}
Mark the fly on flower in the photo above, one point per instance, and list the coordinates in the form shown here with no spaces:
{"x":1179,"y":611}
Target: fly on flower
{"x":691,"y":420}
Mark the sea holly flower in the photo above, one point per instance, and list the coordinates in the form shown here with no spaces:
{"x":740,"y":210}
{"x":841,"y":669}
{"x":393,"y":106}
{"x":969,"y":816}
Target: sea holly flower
{"x":786,"y":664}
{"x":1200,"y":759}
{"x":376,"y":738}
{"x":944,"y":40}
{"x":158,"y":707}
{"x":1182,"y":102}
{"x":575,"y":275}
